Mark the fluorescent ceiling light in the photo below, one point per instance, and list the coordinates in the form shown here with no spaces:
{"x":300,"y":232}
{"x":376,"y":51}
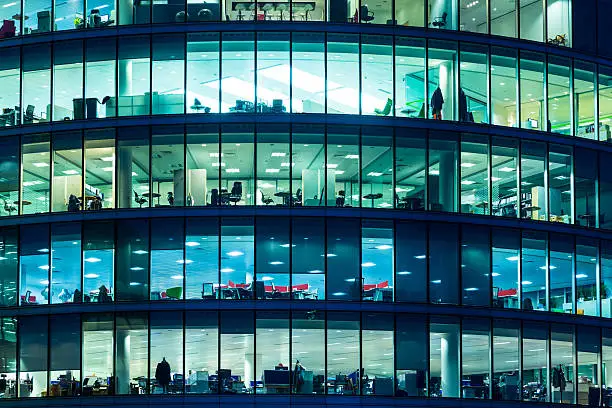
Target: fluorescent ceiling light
{"x":368,"y":264}
{"x":351,"y":156}
{"x":266,"y":185}
{"x":512,"y":258}
{"x":561,"y":177}
{"x":420,"y":256}
{"x":300,"y":79}
{"x":468,"y":182}
{"x":527,"y":283}
{"x":70,"y":172}
{"x":315,"y":271}
{"x":374,"y":174}
{"x":134,"y":283}
{"x":438,"y":281}
{"x":434,"y":172}
{"x":404,"y":273}
{"x":40,"y":164}
{"x":471,"y":289}
{"x":232,"y":170}
{"x":287,"y":164}
{"x":192,"y":243}
{"x":383,"y":247}
{"x":107,"y":169}
{"x":140,"y":252}
{"x":272,"y":170}
{"x":215,"y":154}
{"x":278,"y":154}
{"x":217,"y":164}
{"x":404,"y":190}
{"x":287,"y":245}
{"x":468,"y":165}
{"x":506,"y":169}
{"x":91,"y":276}
{"x":276,"y":263}
{"x":338,"y":172}
{"x":227,"y":270}
{"x":495,"y":274}
{"x":136,"y":268}
{"x":107,"y":159}
{"x":266,"y":278}
{"x":184,"y":261}
{"x":235,"y":253}
{"x":32,"y":183}
{"x":331,"y":165}
{"x":582,"y":276}
{"x":177,"y":277}
{"x":44,"y":267}
{"x":92,"y":259}
{"x":10,"y":4}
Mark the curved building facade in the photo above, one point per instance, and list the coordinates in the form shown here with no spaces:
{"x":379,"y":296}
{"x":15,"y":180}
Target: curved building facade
{"x":306,"y":203}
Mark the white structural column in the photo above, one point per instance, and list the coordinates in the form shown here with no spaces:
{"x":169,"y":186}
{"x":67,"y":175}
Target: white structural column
{"x":122,"y":381}
{"x":449,"y":359}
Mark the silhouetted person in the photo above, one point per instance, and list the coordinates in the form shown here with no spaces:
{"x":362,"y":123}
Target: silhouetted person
{"x":103,"y":296}
{"x":162,"y":374}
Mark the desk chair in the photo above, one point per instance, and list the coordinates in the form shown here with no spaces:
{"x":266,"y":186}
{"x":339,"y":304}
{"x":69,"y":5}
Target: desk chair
{"x":266,"y":199}
{"x":236,"y":193}
{"x":282,"y":8}
{"x":386,"y":110}
{"x":8,"y":29}
{"x":307,"y":9}
{"x":9,"y":208}
{"x":208,"y":291}
{"x":139,"y":200}
{"x":174,"y":293}
{"x":28,"y":116}
{"x":297,"y":200}
{"x":365,"y":14}
{"x":440,"y":22}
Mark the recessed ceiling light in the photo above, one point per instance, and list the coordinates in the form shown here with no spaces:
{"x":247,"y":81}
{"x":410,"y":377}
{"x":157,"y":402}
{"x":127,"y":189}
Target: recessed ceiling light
{"x":272,"y":170}
{"x":40,"y":164}
{"x":235,"y":253}
{"x":70,"y":172}
{"x":278,"y":154}
{"x":232,"y":170}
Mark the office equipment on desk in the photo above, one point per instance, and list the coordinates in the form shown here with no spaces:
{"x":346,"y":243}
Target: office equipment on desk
{"x":236,"y":193}
{"x":197,"y":382}
{"x":276,"y":381}
{"x":365,"y":14}
{"x":10,"y":116}
{"x":440,"y":22}
{"x":44,"y":21}
{"x":208,"y":291}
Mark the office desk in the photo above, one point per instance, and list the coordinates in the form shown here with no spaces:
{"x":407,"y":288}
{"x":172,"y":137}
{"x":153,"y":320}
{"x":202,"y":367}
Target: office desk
{"x":236,"y":293}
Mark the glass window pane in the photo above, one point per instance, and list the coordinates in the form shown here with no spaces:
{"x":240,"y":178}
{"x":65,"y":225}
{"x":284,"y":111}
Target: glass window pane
{"x":33,"y":356}
{"x":378,"y":354}
{"x":167,"y":259}
{"x":476,"y":358}
{"x":409,"y":75}
{"x":533,"y":171}
{"x":559,"y":114}
{"x":134,"y":76}
{"x":343,"y":165}
{"x":504,"y":74}
{"x":475,"y":178}
{"x":503,"y":17}
{"x":534,"y":265}
{"x":561,"y":273}
{"x":66,"y":263}
{"x":100,"y":160}
{"x":272,"y":330}
{"x":203,"y":165}
{"x":308,"y":165}
{"x":377,"y":167}
{"x":237,"y":66}
{"x":10,"y":81}
{"x":532,"y":20}
{"x":562,"y":363}
{"x":8,"y":266}
{"x":605,"y":103}
{"x":67,"y":190}
{"x":605,"y":189}
{"x":410,"y":13}
{"x":377,"y":269}
{"x":9,"y":183}
{"x":506,"y":357}
{"x":203,"y":73}
{"x":12,"y":26}
{"x":506,"y":268}
{"x":442,"y":78}
{"x":68,"y":15}
{"x":587,"y":296}
{"x":343,"y":259}
{"x":272,"y":257}
{"x":589,"y":383}
{"x":473,"y":76}
{"x":606,"y":355}
{"x":237,"y":258}
{"x":133,"y":150}
{"x":8,"y":355}
{"x":202,"y":248}
{"x":535,"y":362}
{"x":411,"y":262}
{"x":168,"y":166}
{"x":585,"y":187}
{"x":36,"y":81}
{"x":443,"y":263}
{"x":411,"y":338}
{"x":504,"y":177}
{"x":201,"y":351}
{"x":444,"y":346}
{"x":308,"y":258}
{"x":107,"y":11}
{"x":237,"y":369}
{"x":168,"y":96}
{"x":272,"y":63}
{"x":97,"y":356}
{"x":308,"y":348}
{"x":559,"y":184}
{"x":133,"y":261}
{"x":443,"y":14}
{"x":343,"y":353}
{"x":131,"y":354}
{"x":343,"y":71}
{"x":99,"y":262}
{"x":532,"y":90}
{"x":64,"y":355}
{"x":166,"y":362}
{"x":273,"y":169}
{"x":37,"y":17}
{"x":34,"y":264}
{"x":307,"y":73}
{"x":442,"y":173}
{"x":475,"y":266}
{"x":68,"y":79}
{"x":559,"y":22}
{"x":377,"y":74}
{"x":584,"y":100}
{"x":237,"y":165}
{"x":410,"y":168}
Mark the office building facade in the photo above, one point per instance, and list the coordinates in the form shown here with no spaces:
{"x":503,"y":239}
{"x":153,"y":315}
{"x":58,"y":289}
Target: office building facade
{"x":305,"y":203}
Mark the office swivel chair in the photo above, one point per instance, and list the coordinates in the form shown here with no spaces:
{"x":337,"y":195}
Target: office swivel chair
{"x":139,"y":200}
{"x":365,"y":14}
{"x":214,"y":197}
{"x":440,"y":22}
{"x":208,"y":291}
{"x":341,"y":198}
{"x":386,"y":110}
{"x":297,"y":200}
{"x":8,"y":29}
{"x":9,"y":208}
{"x":28,"y":115}
{"x":266,"y":200}
{"x":236,"y":193}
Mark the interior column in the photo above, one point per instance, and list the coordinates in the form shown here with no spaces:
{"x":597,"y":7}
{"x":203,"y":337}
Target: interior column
{"x":122,"y":369}
{"x":449,"y":362}
{"x":251,"y":361}
{"x":125,"y":176}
